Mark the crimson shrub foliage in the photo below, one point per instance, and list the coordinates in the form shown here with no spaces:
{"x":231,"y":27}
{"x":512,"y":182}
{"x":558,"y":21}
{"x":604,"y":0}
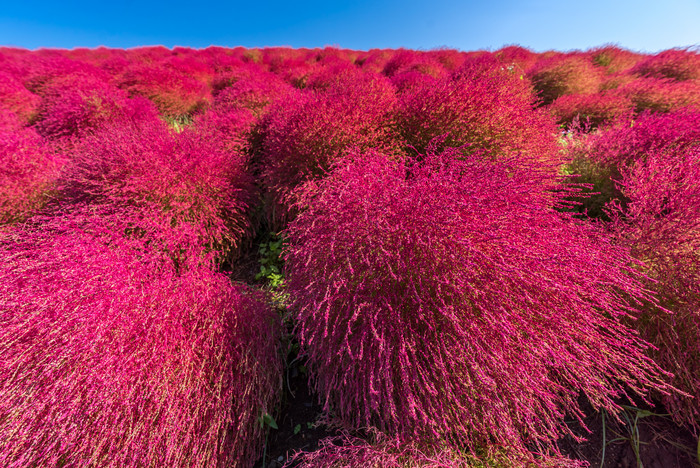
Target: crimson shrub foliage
{"x":9,"y":120}
{"x":74,"y":106}
{"x":229,"y":128}
{"x":404,"y":61}
{"x":187,"y":178}
{"x":614,"y":59}
{"x":229,"y":75}
{"x":40,"y":69}
{"x":16,"y":98}
{"x":111,"y":359}
{"x":564,"y":74}
{"x":661,"y":222}
{"x":630,"y":141}
{"x":306,"y":132}
{"x":662,"y":95}
{"x":482,"y":105}
{"x":446,"y":301}
{"x":674,"y":64}
{"x":600,"y":156}
{"x":28,"y":172}
{"x":517,"y":57}
{"x":352,"y":452}
{"x":174,"y":93}
{"x":255,"y":93}
{"x":591,"y":109}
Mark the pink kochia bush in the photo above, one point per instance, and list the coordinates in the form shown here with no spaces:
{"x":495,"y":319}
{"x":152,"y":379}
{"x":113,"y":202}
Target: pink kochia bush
{"x":28,"y":172}
{"x":591,"y":110}
{"x":184,"y":179}
{"x":662,"y":95}
{"x":661,"y":222}
{"x":76,"y":106}
{"x":351,"y":452}
{"x":482,"y":105}
{"x":175,"y":94}
{"x":674,"y":64}
{"x":305,"y":133}
{"x":448,"y":302}
{"x":599,"y":157}
{"x":16,"y":98}
{"x":111,"y":359}
{"x":564,"y":74}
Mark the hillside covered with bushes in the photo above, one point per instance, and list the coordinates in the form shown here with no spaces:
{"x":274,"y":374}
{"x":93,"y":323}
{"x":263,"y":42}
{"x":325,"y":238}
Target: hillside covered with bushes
{"x":466,"y":254}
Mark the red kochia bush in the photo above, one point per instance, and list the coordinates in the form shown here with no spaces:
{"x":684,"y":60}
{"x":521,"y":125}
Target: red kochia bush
{"x":175,"y":94}
{"x":188,"y":178}
{"x":566,"y":74}
{"x":28,"y":172}
{"x":255,"y":92}
{"x":78,"y":105}
{"x":614,"y":59}
{"x":591,"y":109}
{"x":404,"y":61}
{"x":40,"y":68}
{"x":110,"y":361}
{"x":9,"y":120}
{"x":447,"y":302}
{"x":674,"y":64}
{"x":661,"y":222}
{"x":662,"y":95}
{"x":386,"y":453}
{"x":482,"y":105}
{"x":16,"y":98}
{"x":600,"y":156}
{"x":519,"y":58}
{"x":309,"y":130}
{"x":623,"y":144}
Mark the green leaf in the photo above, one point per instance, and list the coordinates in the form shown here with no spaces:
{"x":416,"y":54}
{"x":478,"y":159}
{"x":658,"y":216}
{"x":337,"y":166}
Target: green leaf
{"x":268,"y":420}
{"x":297,"y":429}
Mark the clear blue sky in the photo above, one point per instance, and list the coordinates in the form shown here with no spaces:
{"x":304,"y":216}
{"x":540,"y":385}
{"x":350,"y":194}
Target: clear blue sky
{"x":541,"y":25}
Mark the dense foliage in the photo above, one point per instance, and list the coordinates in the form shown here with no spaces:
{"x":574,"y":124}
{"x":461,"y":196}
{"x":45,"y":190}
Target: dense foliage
{"x":475,"y":243}
{"x":112,"y":358}
{"x":421,"y":293}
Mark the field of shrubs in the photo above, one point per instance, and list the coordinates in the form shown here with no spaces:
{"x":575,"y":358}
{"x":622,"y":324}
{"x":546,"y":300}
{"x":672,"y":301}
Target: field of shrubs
{"x":469,"y":252}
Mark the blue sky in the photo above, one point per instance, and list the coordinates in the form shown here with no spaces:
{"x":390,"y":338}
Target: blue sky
{"x":647,"y":26}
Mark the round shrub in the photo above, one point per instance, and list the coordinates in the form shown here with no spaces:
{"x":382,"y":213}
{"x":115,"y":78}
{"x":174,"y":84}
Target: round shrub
{"x":600,"y":157}
{"x":40,"y":68}
{"x":661,"y":95}
{"x":483,"y":106}
{"x":175,"y":94}
{"x":673,"y":64}
{"x":592,"y":110}
{"x":187,"y":178}
{"x":28,"y":172}
{"x":9,"y":120}
{"x":255,"y":92}
{"x":111,"y":359}
{"x":516,"y":57}
{"x":629,"y":141}
{"x":74,"y":106}
{"x":404,"y":61}
{"x":614,"y":59}
{"x":564,"y":74}
{"x":661,"y":223}
{"x":16,"y":98}
{"x":309,"y":130}
{"x":447,"y":302}
{"x":230,"y":128}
